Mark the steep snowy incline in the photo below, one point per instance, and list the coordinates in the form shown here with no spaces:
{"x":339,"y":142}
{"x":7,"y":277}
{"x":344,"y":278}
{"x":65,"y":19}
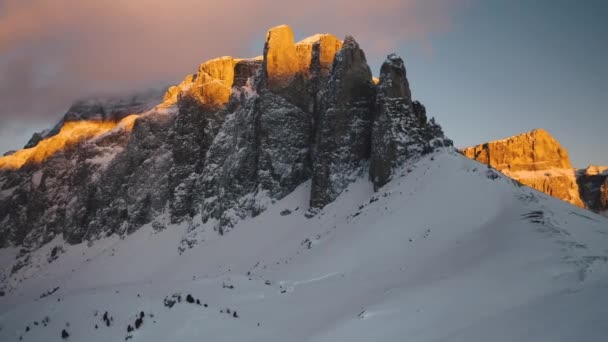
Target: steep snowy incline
{"x":447,"y":250}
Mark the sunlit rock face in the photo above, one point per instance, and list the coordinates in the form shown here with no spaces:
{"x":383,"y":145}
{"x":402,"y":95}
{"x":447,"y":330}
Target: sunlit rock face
{"x":245,"y":70}
{"x":533,"y":151}
{"x":214,"y":81}
{"x":172,"y":92}
{"x":316,"y":53}
{"x":220,"y":146}
{"x":593,"y":182}
{"x":280,"y":58}
{"x":70,"y":134}
{"x":535,"y":159}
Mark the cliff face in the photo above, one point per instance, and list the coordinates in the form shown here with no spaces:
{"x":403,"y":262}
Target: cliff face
{"x":231,"y":138}
{"x":101,"y":110}
{"x":347,"y":110}
{"x":593,"y":182}
{"x":400,"y":130}
{"x":535,"y":159}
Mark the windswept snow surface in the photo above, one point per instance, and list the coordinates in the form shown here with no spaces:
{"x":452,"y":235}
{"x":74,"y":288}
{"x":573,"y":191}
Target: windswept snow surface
{"x":448,"y":251}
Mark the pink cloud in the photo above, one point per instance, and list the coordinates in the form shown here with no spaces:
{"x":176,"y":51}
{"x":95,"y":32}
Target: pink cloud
{"x":53,"y":51}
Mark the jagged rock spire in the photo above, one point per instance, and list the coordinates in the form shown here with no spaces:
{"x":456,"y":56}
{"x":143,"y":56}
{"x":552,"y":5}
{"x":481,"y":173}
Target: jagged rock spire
{"x":280,"y":60}
{"x":344,"y":129}
{"x":535,"y":159}
{"x":400,"y":130}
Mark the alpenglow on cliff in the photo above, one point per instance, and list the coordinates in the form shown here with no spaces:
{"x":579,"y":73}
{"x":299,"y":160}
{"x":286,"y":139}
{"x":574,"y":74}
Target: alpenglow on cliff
{"x":220,"y":146}
{"x":538,"y":160}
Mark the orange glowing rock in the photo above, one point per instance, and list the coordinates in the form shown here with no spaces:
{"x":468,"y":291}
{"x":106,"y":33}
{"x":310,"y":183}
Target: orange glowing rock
{"x":213,"y":83}
{"x":328,"y":44}
{"x":535,"y":159}
{"x":171,"y":94}
{"x":71,"y":133}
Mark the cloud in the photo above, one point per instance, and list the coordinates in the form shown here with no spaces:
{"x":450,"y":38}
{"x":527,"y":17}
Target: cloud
{"x":53,"y":51}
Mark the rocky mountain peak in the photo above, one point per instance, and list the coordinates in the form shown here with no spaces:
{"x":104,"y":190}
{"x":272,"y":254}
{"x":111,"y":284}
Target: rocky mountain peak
{"x":595,"y":170}
{"x":351,"y":76}
{"x":393,"y":79}
{"x":400,"y":131}
{"x":228,"y":140}
{"x":213,"y":83}
{"x":280,"y":58}
{"x":535,"y":159}
{"x":593,"y":183}
{"x":112,"y":108}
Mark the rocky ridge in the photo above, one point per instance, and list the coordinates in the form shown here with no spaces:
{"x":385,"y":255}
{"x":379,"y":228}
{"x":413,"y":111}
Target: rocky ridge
{"x":225,"y":142}
{"x":111,"y":108}
{"x":593,"y":183}
{"x":538,"y":160}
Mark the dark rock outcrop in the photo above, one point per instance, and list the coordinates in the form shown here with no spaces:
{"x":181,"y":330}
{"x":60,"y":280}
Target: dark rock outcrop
{"x":535,"y":159}
{"x":107,"y":108}
{"x":593,"y":184}
{"x":400,"y":130}
{"x":36,"y":138}
{"x":343,"y":139}
{"x":280,"y":60}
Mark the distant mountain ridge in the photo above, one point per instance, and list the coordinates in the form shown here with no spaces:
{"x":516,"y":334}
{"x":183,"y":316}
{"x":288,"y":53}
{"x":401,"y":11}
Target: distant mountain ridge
{"x":538,"y":160}
{"x":102,"y":108}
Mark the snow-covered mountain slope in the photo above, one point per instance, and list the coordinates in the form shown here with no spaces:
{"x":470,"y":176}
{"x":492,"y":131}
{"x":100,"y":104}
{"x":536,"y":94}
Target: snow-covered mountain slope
{"x":449,"y":250}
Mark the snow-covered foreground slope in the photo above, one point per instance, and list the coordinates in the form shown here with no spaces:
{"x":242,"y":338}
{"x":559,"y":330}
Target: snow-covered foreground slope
{"x":450,"y":251}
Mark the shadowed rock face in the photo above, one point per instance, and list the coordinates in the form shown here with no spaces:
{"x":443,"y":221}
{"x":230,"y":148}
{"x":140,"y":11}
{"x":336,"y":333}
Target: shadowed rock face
{"x":533,"y":151}
{"x":535,"y":159}
{"x":229,"y":139}
{"x":593,"y":182}
{"x":280,"y":58}
{"x":400,"y":130}
{"x":343,"y":138}
{"x":316,"y":54}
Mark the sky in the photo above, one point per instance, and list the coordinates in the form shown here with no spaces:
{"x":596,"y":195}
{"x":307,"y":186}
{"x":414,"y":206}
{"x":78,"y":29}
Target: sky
{"x":486,"y":69}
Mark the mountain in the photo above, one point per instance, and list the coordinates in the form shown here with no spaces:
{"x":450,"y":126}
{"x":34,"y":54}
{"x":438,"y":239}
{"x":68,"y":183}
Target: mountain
{"x":291,"y":196}
{"x":446,"y":250}
{"x":538,"y":160}
{"x":217,"y":148}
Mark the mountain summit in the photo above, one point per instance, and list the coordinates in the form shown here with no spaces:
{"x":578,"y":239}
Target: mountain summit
{"x":220,"y":146}
{"x":538,"y":160}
